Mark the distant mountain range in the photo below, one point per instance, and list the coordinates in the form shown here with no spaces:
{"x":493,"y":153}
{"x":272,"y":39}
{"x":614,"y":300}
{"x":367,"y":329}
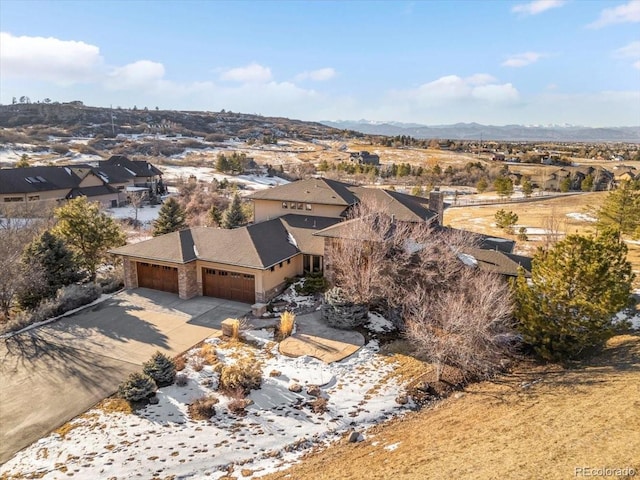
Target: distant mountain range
{"x":476,"y":131}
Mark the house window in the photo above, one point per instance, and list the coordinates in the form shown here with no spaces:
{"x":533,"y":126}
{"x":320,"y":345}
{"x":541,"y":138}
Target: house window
{"x":34,"y":197}
{"x":300,"y":206}
{"x":284,"y":205}
{"x":308,"y":206}
{"x":12,"y":199}
{"x":292,"y":205}
{"x":312,"y":263}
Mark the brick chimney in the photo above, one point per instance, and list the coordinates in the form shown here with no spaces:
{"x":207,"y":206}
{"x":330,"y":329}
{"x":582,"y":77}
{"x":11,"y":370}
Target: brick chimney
{"x":436,"y":203}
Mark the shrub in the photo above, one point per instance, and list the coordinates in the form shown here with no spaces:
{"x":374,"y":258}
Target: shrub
{"x":137,"y":387}
{"x":237,"y":325}
{"x":161,"y":368}
{"x":197,"y":364}
{"x":244,"y":376}
{"x":319,"y":405}
{"x":207,"y":354}
{"x":238,"y":403}
{"x":506,"y":220}
{"x":202,"y":408}
{"x":68,"y":298}
{"x":313,"y":283}
{"x":287,"y":322}
{"x":339,"y":312}
{"x":182,"y":380}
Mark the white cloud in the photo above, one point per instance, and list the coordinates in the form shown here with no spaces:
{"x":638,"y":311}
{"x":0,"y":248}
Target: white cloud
{"x":51,"y":59}
{"x":537,"y":6}
{"x":480,"y":79}
{"x":628,"y":51}
{"x":252,"y":73}
{"x":522,"y":59}
{"x":143,"y":73}
{"x":320,"y":75}
{"x":631,"y":51}
{"x":625,"y":13}
{"x":454,"y":89}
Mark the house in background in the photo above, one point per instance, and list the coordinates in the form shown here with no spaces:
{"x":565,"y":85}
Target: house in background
{"x":108,"y":183}
{"x":50,"y":183}
{"x":364,"y":158}
{"x":252,"y":263}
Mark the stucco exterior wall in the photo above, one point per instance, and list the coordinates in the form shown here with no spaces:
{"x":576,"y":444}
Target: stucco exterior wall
{"x":268,"y":209}
{"x":46,"y":195}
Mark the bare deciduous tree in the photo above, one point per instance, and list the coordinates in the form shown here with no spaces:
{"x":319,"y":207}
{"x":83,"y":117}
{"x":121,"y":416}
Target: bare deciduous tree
{"x":453,"y":312}
{"x":466,"y":325}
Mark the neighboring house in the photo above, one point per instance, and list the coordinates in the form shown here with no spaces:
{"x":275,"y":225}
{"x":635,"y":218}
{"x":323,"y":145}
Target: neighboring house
{"x":252,"y":264}
{"x":364,"y":158}
{"x":141,"y":173}
{"x":107,"y":183}
{"x":51,"y":183}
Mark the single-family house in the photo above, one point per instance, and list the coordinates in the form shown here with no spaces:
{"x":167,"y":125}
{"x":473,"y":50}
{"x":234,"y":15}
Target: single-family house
{"x":54,"y":183}
{"x":252,"y":263}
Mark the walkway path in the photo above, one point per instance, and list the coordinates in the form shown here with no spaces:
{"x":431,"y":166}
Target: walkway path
{"x":315,"y":338}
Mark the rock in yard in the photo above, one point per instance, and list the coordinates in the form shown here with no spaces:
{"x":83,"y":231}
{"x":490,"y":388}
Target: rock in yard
{"x":295,"y":388}
{"x":314,"y":391}
{"x":154,"y":400}
{"x":353,"y":437}
{"x":402,"y":400}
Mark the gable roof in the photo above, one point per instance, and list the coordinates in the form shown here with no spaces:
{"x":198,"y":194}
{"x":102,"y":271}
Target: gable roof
{"x":260,"y":246}
{"x":499,"y":262}
{"x":140,"y":168}
{"x":312,"y":190}
{"x":403,"y":207}
{"x":37,"y":179}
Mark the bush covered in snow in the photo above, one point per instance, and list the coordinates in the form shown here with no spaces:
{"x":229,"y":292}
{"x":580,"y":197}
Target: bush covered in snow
{"x":161,"y":368}
{"x":137,"y":387}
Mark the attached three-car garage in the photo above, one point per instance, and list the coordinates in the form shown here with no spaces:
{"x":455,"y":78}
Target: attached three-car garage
{"x":158,"y":277}
{"x":240,"y":287}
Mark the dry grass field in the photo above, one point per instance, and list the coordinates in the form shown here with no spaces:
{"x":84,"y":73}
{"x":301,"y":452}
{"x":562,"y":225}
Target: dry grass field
{"x":537,"y":422}
{"x":536,"y":217}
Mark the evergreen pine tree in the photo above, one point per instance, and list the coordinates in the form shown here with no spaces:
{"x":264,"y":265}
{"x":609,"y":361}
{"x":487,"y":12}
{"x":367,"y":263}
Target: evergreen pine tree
{"x":575,"y":289}
{"x":215,"y":216}
{"x":527,"y":188}
{"x":621,"y":209}
{"x":233,"y":215}
{"x":50,"y":255}
{"x":88,"y":231}
{"x":171,"y":218}
{"x":161,"y":368}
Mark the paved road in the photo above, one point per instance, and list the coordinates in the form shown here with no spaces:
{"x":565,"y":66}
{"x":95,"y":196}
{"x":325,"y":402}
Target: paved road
{"x":52,"y":374}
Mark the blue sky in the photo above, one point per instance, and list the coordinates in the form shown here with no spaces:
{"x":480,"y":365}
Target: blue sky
{"x":429,"y":62}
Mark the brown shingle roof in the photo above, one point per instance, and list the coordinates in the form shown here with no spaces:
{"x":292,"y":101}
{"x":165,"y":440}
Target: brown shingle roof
{"x":498,"y":262}
{"x":406,"y":208}
{"x":312,"y":190}
{"x":256,"y":246}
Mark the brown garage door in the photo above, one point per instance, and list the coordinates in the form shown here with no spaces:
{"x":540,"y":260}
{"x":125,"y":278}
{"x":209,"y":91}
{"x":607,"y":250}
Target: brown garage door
{"x":240,"y":287}
{"x":158,"y":277}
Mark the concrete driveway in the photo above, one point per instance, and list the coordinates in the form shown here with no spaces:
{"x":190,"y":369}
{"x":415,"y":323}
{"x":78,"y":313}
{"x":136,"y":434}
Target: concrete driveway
{"x":53,"y":373}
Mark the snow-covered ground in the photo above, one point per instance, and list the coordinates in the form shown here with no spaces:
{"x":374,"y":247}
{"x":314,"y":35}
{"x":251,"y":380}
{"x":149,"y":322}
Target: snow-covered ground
{"x":582,"y":217}
{"x":278,"y":427}
{"x":207,"y":174}
{"x":146,"y":214}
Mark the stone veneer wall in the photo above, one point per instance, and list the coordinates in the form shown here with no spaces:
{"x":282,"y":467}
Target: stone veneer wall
{"x":130,"y":273}
{"x":269,"y":294}
{"x":188,"y":281}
